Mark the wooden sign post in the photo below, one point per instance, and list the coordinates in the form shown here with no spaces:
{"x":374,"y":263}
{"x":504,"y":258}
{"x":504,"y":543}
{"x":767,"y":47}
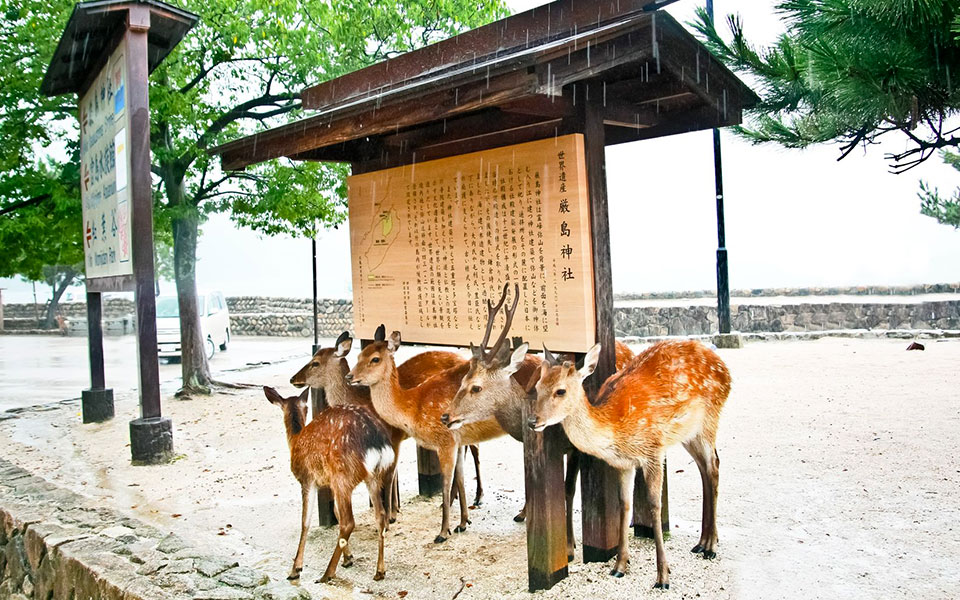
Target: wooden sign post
{"x":110,"y":74}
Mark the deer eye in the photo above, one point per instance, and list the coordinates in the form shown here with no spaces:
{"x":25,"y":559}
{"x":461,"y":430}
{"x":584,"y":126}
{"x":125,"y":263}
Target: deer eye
{"x":561,"y":392}
{"x":476,"y":389}
{"x":374,"y":360}
{"x":314,"y":364}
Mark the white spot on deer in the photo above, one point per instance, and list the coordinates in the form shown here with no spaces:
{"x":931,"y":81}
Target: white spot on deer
{"x":342,"y":542}
{"x":378,"y":459}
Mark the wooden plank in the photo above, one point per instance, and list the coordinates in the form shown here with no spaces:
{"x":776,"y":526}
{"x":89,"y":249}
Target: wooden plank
{"x":518,"y":32}
{"x":706,"y":117}
{"x":431,"y":241}
{"x":546,"y":505}
{"x":141,"y":195}
{"x":95,"y":340}
{"x":599,"y":483}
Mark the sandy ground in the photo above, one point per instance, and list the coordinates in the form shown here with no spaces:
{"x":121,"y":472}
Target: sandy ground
{"x":839,"y":479}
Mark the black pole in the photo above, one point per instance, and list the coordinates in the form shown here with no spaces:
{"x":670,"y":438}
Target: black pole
{"x":723,"y":279}
{"x":316,"y":338}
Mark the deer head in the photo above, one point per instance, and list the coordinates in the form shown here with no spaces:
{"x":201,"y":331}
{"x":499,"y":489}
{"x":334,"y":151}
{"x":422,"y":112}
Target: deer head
{"x":326,"y":365}
{"x":488,"y":379}
{"x":294,"y":410}
{"x":560,"y":388}
{"x":375,"y":363}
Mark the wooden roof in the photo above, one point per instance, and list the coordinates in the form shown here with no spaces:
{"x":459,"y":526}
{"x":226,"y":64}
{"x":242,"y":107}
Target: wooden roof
{"x":516,"y":79}
{"x":93,"y":31}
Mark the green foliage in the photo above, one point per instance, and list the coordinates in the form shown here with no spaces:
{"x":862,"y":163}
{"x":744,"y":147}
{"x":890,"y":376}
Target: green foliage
{"x":945,"y":210}
{"x":849,"y":71}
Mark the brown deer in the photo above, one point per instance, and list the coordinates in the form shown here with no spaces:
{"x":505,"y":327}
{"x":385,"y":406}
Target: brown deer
{"x":496,"y":386}
{"x":342,"y":447}
{"x":327,"y":369}
{"x":417,"y":412}
{"x":671,"y":392}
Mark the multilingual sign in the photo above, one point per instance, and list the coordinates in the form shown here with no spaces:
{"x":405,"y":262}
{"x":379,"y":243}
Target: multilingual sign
{"x":104,"y":171}
{"x":432,"y":241}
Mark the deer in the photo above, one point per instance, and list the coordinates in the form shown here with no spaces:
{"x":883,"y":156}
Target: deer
{"x":417,"y":412}
{"x":497,"y":384}
{"x":670,"y":393}
{"x":326,"y":371}
{"x":341,"y":447}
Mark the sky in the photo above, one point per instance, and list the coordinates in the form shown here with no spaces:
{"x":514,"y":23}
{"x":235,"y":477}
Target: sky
{"x":793,"y":218}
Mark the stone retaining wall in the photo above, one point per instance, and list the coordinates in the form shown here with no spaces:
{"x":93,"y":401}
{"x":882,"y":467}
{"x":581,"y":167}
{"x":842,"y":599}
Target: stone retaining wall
{"x":56,"y":545}
{"x":857,"y":290}
{"x":291,"y":317}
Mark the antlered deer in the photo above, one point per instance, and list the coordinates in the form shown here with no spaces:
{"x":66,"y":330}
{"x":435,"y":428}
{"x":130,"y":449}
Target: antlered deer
{"x":341,"y":447}
{"x":417,"y":411}
{"x":496,"y":386}
{"x":671,"y":392}
{"x":327,"y":369}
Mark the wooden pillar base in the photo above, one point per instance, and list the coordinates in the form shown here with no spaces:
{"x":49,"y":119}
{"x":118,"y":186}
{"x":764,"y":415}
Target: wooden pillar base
{"x":642,"y":527}
{"x":546,"y":506}
{"x":599,"y":492}
{"x":96,"y":405}
{"x":151,"y":440}
{"x":429,"y":477}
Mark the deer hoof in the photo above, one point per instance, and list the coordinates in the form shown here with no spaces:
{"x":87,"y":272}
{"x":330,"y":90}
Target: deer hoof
{"x":520,"y":518}
{"x":616,"y":573}
{"x":379,"y":576}
{"x":569,"y":556}
{"x":661,"y":586}
{"x":325,"y":578}
{"x":709,"y":554}
{"x":460,"y":528}
{"x":697,"y":549}
{"x":294,"y":574}
{"x":439,"y":539}
{"x":348,"y":561}
{"x":393,"y":520}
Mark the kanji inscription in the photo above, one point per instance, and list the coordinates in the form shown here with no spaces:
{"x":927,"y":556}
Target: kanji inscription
{"x":431,"y":242}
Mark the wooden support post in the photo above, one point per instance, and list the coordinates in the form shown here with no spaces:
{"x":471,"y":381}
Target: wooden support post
{"x":642,"y":527}
{"x":546,"y":505}
{"x":96,"y":403}
{"x":429,"y":477}
{"x":599,"y":483}
{"x":325,"y":508}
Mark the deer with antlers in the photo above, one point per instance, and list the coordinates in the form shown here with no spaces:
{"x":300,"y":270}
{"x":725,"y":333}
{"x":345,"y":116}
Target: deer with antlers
{"x":417,"y":412}
{"x":497,"y":384}
{"x":327,"y":370}
{"x":670,"y":393}
{"x":342,"y":447}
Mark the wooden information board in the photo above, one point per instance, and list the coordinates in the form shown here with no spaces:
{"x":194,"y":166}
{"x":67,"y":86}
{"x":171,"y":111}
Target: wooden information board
{"x":104,"y":168}
{"x":431,"y":242}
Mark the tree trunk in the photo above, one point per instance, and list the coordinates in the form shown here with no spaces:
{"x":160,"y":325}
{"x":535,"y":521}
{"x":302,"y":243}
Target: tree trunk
{"x":58,"y":288}
{"x":194,"y":368}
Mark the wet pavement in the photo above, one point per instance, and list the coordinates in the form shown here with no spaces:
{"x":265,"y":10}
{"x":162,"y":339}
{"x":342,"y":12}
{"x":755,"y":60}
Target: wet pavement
{"x":43,"y":369}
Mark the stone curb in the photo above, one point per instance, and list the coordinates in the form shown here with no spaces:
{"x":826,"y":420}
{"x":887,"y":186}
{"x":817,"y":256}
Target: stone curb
{"x":55,"y":545}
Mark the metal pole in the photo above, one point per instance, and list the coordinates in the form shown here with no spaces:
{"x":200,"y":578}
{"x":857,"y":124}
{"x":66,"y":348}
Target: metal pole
{"x":723,"y":279}
{"x":316,"y":339}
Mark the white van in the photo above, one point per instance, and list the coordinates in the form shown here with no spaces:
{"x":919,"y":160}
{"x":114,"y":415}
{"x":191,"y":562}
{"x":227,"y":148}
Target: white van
{"x":214,"y":323}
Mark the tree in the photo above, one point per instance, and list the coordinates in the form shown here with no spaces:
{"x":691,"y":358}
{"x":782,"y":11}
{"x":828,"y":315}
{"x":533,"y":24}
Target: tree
{"x":945,"y":210}
{"x":243,"y":66}
{"x":851,"y":71}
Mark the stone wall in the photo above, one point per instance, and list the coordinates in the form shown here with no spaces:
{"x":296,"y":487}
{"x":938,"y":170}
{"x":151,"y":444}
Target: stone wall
{"x":749,"y":318}
{"x":57,"y":545}
{"x":857,"y":290}
{"x":256,"y":315}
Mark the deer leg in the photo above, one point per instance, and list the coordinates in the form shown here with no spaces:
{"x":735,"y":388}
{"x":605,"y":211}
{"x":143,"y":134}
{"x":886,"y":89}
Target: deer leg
{"x":478,"y":498}
{"x":653,"y":477}
{"x":448,"y":461}
{"x":626,"y":506}
{"x":307,"y":491}
{"x":391,"y":491}
{"x":464,"y":513}
{"x":344,"y":504}
{"x":705,"y":455}
{"x":522,"y":515}
{"x":570,"y":487}
{"x":376,"y":488}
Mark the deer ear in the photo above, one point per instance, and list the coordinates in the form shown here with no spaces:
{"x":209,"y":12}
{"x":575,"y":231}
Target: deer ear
{"x":343,"y":347}
{"x":517,"y":358}
{"x":475,"y":351}
{"x":394,"y":342}
{"x":381,"y":333}
{"x":590,"y":362}
{"x":272,"y":395}
{"x":304,"y":395}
